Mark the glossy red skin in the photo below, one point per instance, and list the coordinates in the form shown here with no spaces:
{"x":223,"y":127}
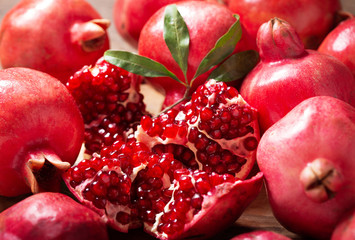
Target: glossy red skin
{"x":131,"y":15}
{"x":260,"y":235}
{"x":287,"y":74}
{"x":318,"y":127}
{"x":28,"y":37}
{"x":345,"y":229}
{"x":340,"y":43}
{"x":37,"y":113}
{"x":206,"y":22}
{"x":51,"y":216}
{"x":312,"y":19}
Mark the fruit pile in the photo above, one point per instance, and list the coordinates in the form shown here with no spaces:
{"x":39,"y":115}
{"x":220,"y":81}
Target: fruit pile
{"x":251,"y":100}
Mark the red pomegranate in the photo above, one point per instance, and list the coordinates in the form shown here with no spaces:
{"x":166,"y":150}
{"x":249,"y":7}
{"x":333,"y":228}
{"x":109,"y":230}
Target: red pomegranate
{"x":307,"y":159}
{"x":206,"y":23}
{"x":340,"y":43}
{"x":28,"y":38}
{"x":165,"y":180}
{"x":130,"y":16}
{"x":312,"y":20}
{"x":288,"y":74}
{"x":51,"y":216}
{"x":260,"y":235}
{"x":130,"y":186}
{"x":345,"y":229}
{"x":41,"y":131}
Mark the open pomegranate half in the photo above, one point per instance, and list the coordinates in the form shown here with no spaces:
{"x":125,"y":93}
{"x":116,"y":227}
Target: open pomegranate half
{"x":160,"y":179}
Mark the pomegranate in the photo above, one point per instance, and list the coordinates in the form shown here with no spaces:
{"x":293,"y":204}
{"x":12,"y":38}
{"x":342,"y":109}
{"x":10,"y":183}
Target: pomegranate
{"x":288,"y":74}
{"x":206,"y":23}
{"x":216,"y":131}
{"x":340,"y":43}
{"x":345,"y":229}
{"x":303,"y":15}
{"x":307,"y":159}
{"x":41,"y":131}
{"x":51,"y":216}
{"x":260,"y":235}
{"x":129,"y":186}
{"x":130,"y":16}
{"x":141,"y":181}
{"x":110,"y":101}
{"x":28,"y":38}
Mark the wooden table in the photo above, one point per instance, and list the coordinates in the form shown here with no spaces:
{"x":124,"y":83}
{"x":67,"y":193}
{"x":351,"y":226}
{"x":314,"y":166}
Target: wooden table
{"x":257,"y":216}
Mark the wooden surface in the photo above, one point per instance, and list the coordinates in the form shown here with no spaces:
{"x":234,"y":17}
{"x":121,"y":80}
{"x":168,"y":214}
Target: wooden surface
{"x":257,"y":216}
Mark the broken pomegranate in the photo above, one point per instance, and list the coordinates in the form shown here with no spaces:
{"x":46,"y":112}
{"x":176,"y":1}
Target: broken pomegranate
{"x":56,"y":37}
{"x":41,"y":131}
{"x":177,"y":176}
{"x":109,"y":100}
{"x":129,"y":186}
{"x":216,"y":131}
{"x":307,"y":158}
{"x":51,"y":216}
{"x":288,"y":74}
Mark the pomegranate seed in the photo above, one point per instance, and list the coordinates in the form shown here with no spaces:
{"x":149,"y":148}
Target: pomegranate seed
{"x":123,"y":217}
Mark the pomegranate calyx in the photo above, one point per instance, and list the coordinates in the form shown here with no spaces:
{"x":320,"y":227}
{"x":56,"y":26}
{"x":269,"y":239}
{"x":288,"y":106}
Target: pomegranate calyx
{"x":42,"y":171}
{"x":278,"y":40}
{"x":90,"y":35}
{"x":321,"y":180}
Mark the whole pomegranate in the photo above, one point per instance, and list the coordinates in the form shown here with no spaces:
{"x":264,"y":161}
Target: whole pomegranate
{"x":206,"y":23}
{"x":287,"y":74}
{"x":51,"y":216}
{"x":260,"y":235}
{"x":340,"y":43}
{"x":175,"y":176}
{"x":109,"y":100}
{"x":131,"y":15}
{"x":41,"y":131}
{"x":312,"y":20}
{"x":56,"y":37}
{"x":345,"y":229}
{"x":307,"y":159}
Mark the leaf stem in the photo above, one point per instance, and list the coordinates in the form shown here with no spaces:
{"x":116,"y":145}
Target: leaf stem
{"x":185,"y":97}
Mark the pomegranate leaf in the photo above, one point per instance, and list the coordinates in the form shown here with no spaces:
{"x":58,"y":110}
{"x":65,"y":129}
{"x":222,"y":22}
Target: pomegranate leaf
{"x":236,"y":66}
{"x":138,"y":64}
{"x":224,"y":46}
{"x":176,"y":36}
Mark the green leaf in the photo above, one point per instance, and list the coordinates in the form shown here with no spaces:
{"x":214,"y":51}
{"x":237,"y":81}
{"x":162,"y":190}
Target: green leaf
{"x":236,"y":66}
{"x":222,"y":49}
{"x":138,"y":64}
{"x":176,"y":36}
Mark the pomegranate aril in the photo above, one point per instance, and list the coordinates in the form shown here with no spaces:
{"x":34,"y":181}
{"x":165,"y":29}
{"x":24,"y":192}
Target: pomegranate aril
{"x":123,"y":217}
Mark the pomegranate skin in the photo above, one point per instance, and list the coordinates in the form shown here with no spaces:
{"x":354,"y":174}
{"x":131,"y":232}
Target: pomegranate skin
{"x":206,"y":23}
{"x":260,"y":235}
{"x":288,"y":74}
{"x":317,"y":134}
{"x":51,"y":216}
{"x":39,"y":121}
{"x":340,"y":43}
{"x":303,"y":15}
{"x":131,"y":15}
{"x":28,"y":38}
{"x":345,"y":229}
